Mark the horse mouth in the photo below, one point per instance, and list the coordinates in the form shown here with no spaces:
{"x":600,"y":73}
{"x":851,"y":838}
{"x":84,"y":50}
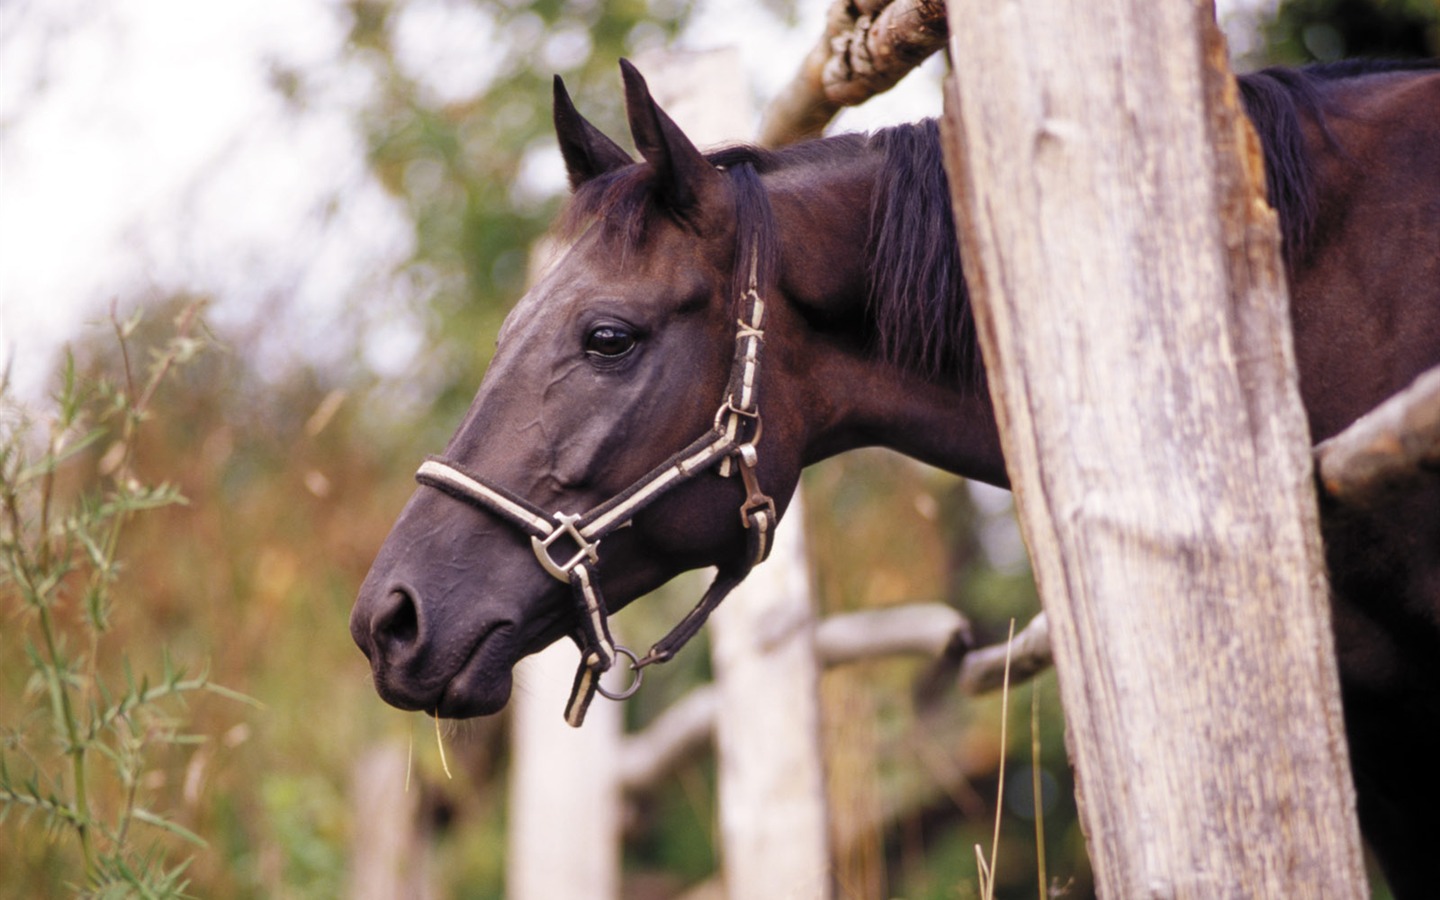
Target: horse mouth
{"x":479,"y":686}
{"x":476,"y":690}
{"x":483,"y":684}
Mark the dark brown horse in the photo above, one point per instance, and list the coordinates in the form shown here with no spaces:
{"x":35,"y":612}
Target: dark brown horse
{"x":628,"y":390}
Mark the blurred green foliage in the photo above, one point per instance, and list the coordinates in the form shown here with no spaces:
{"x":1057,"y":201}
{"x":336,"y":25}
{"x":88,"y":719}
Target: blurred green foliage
{"x":456,"y":163}
{"x":88,"y":727}
{"x":1326,"y":30}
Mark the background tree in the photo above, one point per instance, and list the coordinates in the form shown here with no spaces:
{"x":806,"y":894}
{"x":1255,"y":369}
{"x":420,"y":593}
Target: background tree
{"x":1326,"y":30}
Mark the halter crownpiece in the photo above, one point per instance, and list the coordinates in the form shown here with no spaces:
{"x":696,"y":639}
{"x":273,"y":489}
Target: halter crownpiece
{"x":729,"y":444}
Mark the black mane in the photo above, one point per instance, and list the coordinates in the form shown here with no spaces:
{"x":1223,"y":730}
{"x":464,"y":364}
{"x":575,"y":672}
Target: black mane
{"x":918,"y":304}
{"x":1274,"y":100}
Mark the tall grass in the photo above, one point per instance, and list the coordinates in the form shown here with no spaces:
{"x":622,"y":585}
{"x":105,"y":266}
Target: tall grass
{"x":75,"y":750}
{"x":986,"y":869}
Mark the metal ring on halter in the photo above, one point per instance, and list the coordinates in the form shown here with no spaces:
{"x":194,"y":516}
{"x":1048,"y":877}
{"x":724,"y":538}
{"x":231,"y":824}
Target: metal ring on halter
{"x":628,"y":692}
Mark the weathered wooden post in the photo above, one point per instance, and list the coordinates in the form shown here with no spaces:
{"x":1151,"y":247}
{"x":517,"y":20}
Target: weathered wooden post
{"x":564,"y":804}
{"x":773,"y":814}
{"x":1131,"y":302}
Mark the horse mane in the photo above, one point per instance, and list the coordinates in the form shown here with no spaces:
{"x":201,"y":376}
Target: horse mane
{"x":918,"y":298}
{"x":1275,"y":99}
{"x":918,"y":304}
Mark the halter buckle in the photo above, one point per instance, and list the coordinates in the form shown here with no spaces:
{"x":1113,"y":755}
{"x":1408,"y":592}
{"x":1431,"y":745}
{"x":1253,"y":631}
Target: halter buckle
{"x":728,"y":408}
{"x":587,"y":550}
{"x":738,"y":420}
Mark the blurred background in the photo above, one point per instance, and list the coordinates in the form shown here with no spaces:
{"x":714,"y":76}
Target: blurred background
{"x":350,"y":191}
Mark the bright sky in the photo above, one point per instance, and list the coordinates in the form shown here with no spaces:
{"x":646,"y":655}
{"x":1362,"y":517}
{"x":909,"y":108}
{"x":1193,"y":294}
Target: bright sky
{"x":143,"y":150}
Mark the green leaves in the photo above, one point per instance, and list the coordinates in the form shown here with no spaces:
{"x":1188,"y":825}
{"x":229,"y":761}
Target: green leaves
{"x":76,"y":756}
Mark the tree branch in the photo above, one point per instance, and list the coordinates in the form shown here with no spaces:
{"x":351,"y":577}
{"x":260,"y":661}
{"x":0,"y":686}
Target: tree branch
{"x":1397,"y":440}
{"x":920,"y":629}
{"x":678,"y":733}
{"x":866,"y":48}
{"x":983,"y":670}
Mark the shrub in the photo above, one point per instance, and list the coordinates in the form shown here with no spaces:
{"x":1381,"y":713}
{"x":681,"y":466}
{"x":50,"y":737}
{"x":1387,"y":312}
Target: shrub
{"x":76,"y":749}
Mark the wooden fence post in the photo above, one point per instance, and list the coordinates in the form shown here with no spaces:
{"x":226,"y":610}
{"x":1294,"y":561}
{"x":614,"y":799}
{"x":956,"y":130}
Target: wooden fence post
{"x":563,"y":835}
{"x":773,"y":814}
{"x":1130,"y":298}
{"x":390,"y":850}
{"x":564,"y":804}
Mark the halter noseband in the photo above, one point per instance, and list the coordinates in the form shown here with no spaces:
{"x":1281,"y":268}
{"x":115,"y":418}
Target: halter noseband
{"x":729,"y":444}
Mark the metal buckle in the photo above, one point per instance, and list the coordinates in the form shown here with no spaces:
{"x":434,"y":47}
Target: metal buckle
{"x":755,"y":503}
{"x":729,"y":407}
{"x":741,"y":415}
{"x":567,"y":527}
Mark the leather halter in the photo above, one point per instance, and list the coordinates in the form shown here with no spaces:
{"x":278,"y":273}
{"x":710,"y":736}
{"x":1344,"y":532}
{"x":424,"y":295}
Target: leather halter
{"x":729,"y":444}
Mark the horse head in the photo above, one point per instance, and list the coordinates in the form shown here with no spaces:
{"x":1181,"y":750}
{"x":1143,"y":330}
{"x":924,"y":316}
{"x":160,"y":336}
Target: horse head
{"x":622,"y":355}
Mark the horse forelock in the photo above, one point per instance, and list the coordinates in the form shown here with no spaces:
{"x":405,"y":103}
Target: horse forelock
{"x":622,"y":198}
{"x":625,"y":201}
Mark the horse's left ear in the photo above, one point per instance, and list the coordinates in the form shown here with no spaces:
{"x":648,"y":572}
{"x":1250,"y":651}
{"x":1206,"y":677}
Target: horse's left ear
{"x":587,"y":151}
{"x":682,"y":174}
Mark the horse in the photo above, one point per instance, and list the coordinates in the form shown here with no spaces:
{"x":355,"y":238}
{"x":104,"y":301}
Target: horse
{"x":719,"y":321}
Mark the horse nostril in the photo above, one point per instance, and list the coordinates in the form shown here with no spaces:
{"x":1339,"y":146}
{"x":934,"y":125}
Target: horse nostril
{"x":398,"y":623}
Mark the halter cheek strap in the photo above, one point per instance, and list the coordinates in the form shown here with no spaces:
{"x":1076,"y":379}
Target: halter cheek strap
{"x":730,"y":444}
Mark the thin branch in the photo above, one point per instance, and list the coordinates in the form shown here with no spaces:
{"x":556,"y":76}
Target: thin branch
{"x":681,"y":731}
{"x":920,"y":629}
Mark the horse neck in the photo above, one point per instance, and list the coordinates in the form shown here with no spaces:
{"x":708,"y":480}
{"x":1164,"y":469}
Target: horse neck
{"x":853,"y":399}
{"x":847,"y":394}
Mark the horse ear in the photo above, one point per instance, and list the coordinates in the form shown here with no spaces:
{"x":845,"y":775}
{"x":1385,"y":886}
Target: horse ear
{"x":681,"y":170}
{"x":587,"y":151}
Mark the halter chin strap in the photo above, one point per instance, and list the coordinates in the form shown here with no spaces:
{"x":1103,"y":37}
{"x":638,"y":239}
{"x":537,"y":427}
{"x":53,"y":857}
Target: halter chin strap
{"x":729,"y":444}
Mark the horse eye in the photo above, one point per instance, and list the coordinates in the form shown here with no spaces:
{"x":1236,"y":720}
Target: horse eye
{"x":609,"y":341}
